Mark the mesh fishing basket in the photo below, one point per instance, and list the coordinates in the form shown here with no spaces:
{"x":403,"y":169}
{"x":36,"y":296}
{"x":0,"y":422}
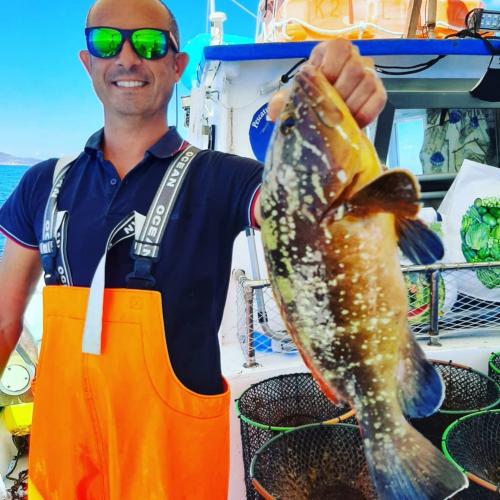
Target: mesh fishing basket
{"x":320,"y":462}
{"x":280,"y":404}
{"x":475,"y":492}
{"x":473,"y":444}
{"x":466,"y":391}
{"x":494,"y":367}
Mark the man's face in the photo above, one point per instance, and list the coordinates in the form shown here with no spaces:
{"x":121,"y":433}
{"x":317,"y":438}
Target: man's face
{"x":126,"y":84}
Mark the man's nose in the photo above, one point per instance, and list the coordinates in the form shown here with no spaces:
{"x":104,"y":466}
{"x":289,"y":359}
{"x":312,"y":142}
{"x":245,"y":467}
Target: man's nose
{"x":127,"y":56}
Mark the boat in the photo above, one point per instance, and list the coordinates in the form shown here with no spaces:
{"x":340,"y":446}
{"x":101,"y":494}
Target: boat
{"x":226,"y":110}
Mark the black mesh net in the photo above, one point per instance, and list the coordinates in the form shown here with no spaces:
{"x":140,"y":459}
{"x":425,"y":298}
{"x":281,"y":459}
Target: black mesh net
{"x":467,"y":391}
{"x":317,"y":462}
{"x":286,"y":401}
{"x":473,"y":443}
{"x":494,"y":367}
{"x":475,"y":492}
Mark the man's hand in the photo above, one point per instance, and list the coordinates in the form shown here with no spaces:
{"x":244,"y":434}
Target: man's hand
{"x":352,"y":76}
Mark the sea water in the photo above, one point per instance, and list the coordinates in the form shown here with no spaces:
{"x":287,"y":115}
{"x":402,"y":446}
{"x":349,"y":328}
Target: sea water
{"x":10,"y":175}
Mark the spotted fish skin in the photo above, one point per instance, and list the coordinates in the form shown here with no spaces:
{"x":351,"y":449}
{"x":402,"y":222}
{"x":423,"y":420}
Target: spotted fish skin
{"x":334,"y":267}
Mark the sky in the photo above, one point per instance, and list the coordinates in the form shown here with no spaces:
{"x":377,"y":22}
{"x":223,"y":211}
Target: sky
{"x":47,"y":105}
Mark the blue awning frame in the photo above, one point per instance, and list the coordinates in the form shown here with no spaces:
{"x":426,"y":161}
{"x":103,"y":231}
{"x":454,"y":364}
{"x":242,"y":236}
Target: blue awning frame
{"x":382,"y":47}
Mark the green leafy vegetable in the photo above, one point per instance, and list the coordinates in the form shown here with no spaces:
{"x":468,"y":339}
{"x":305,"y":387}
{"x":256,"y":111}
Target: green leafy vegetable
{"x":495,"y":211}
{"x":477,"y":236}
{"x":480,"y":232}
{"x":490,"y":220}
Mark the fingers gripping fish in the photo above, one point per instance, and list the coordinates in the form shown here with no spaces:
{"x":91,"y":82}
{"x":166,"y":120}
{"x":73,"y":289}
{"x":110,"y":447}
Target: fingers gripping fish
{"x":332,"y":221}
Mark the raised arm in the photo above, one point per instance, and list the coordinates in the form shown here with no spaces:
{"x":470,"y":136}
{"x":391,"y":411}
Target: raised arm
{"x":19,"y":272}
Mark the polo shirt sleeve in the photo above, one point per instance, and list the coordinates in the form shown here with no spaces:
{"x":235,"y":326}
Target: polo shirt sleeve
{"x":18,"y":213}
{"x":243,"y":177}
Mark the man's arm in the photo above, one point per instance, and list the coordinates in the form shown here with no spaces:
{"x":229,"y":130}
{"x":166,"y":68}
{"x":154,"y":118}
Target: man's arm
{"x":19,"y":272}
{"x":352,"y":75}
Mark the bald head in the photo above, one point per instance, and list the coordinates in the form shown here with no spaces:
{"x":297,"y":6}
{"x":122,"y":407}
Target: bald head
{"x":100,"y":9}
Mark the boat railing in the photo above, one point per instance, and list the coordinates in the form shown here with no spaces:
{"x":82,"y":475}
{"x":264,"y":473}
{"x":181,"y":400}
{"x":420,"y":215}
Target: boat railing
{"x":444,"y":300}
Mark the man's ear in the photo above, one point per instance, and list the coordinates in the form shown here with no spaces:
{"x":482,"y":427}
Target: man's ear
{"x":86,"y":60}
{"x":181,"y":61}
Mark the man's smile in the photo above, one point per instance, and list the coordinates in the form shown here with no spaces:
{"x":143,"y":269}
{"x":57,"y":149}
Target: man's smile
{"x":130,"y":83}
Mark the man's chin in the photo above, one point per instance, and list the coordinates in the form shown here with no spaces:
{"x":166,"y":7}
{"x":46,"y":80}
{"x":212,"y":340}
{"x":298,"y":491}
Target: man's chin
{"x":129,"y":110}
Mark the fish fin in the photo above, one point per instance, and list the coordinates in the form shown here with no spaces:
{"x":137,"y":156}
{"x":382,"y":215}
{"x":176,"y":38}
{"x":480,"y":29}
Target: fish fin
{"x":419,"y":243}
{"x":395,"y":192}
{"x":406,"y":466}
{"x":421,"y":388}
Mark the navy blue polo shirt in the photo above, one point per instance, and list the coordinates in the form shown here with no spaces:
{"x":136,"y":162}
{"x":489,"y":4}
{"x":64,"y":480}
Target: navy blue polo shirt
{"x":192,"y":275}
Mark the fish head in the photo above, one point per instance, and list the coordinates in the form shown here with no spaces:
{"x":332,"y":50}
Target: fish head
{"x":315,"y":152}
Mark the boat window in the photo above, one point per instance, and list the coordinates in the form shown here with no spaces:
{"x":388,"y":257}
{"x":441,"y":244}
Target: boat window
{"x":436,"y":141}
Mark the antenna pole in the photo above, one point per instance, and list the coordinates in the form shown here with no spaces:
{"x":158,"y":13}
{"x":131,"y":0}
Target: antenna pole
{"x":216,"y":25}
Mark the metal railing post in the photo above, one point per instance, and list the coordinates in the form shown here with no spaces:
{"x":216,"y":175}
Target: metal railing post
{"x":434,"y":312}
{"x":250,"y":348}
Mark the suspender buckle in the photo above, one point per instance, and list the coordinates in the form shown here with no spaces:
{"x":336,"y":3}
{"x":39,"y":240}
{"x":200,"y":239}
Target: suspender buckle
{"x":141,"y":277}
{"x":48,"y":247}
{"x":48,"y":254}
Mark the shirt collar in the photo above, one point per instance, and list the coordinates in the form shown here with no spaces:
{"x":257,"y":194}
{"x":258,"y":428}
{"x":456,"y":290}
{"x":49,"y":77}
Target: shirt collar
{"x":167,"y":146}
{"x":94,"y":142}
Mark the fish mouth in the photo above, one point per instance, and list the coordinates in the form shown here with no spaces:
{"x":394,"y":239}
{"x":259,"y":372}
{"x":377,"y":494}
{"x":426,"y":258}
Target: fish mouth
{"x":315,"y":88}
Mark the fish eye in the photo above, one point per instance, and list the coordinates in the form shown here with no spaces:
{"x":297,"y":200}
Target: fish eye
{"x":287,"y":124}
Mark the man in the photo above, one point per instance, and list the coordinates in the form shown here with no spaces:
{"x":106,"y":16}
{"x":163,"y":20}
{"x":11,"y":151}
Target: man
{"x":119,"y":414}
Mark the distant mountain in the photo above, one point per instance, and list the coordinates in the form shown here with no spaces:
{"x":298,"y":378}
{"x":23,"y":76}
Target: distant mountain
{"x":6,"y":159}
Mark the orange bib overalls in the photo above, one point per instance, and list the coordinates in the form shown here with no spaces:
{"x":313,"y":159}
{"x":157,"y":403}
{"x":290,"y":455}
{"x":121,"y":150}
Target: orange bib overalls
{"x":111,"y":420}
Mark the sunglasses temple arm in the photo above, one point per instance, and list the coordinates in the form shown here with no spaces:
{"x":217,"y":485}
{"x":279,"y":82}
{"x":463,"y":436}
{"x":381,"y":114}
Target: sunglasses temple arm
{"x":174,"y":41}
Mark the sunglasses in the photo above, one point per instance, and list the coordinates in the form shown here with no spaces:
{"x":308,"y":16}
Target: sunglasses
{"x":149,"y":43}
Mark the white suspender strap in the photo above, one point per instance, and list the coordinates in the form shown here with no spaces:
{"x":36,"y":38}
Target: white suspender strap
{"x":52,"y":221}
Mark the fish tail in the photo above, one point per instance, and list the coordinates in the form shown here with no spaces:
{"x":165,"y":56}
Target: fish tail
{"x":406,"y":466}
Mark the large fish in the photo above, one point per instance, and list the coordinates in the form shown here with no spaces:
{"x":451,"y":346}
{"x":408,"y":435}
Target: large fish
{"x":332,"y":220}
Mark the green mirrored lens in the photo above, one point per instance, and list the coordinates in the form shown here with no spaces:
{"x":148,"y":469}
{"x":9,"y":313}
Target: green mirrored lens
{"x":105,"y":42}
{"x":150,"y":44}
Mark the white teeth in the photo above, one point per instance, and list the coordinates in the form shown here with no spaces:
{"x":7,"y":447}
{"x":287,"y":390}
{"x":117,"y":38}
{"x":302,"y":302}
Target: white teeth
{"x":130,"y":84}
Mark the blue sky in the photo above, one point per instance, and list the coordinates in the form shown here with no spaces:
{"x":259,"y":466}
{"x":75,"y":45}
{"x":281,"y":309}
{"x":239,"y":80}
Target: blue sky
{"x":47,"y":105}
